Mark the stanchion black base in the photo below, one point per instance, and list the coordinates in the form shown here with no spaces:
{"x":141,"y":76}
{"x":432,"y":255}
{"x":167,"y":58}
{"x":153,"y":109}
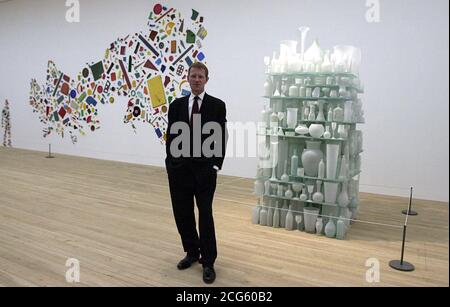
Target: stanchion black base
{"x":398,"y":265}
{"x":49,"y":157}
{"x":405,"y":212}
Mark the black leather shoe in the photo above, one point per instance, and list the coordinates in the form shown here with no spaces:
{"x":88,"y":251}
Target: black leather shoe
{"x":186,"y":262}
{"x":209,"y":275}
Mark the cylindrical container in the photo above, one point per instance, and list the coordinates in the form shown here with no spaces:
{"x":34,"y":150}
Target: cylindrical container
{"x":330,"y":191}
{"x":294,"y":164}
{"x":332,"y":160}
{"x":294,"y":91}
{"x":292,"y":118}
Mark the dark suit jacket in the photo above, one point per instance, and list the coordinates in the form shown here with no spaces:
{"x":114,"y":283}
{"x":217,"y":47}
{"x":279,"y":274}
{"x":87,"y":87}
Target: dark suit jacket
{"x":212,"y":110}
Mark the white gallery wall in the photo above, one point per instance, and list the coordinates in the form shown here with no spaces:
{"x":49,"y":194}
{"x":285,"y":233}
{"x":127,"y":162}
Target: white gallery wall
{"x":404,"y":70}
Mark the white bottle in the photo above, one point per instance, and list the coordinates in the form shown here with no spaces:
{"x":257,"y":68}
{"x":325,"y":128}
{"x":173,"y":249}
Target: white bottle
{"x":321,"y":169}
{"x":327,"y":133}
{"x":304,"y":195}
{"x":294,"y":163}
{"x":302,"y":91}
{"x":276,"y":218}
{"x":289,"y":219}
{"x":330,"y":229}
{"x":289,"y":193}
{"x":343,"y":173}
{"x":340,"y":229}
{"x":270,"y":215}
{"x":330,"y":114}
{"x":338,"y":114}
{"x":263,"y":216}
{"x":284,"y":214}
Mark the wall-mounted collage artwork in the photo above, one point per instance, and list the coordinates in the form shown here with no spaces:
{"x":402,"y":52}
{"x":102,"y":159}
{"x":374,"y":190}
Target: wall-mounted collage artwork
{"x":149,"y":68}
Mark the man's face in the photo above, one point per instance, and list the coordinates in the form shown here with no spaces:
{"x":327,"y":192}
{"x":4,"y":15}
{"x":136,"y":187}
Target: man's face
{"x":197,"y":80}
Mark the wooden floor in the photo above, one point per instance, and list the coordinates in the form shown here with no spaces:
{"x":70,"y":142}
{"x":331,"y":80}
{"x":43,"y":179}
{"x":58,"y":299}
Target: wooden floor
{"x":116,"y":219}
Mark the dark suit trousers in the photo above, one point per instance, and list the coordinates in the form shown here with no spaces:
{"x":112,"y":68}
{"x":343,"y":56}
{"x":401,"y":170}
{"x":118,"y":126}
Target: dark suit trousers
{"x":189,"y":180}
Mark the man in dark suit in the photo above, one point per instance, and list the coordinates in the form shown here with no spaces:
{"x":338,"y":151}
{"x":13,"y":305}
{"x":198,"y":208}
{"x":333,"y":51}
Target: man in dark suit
{"x":193,"y":160}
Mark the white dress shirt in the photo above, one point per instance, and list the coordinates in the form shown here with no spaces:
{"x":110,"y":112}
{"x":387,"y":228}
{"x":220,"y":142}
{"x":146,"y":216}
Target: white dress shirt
{"x":191,"y":102}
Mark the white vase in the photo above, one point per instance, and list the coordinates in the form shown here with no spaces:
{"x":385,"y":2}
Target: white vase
{"x":327,"y":133}
{"x":332,"y":159}
{"x":310,"y":216}
{"x":338,"y":114}
{"x":319,"y":226}
{"x":288,"y":194}
{"x":318,"y":196}
{"x":316,"y":130}
{"x":304,"y":195}
{"x":302,"y":130}
{"x":292,"y":118}
{"x":330,"y":229}
{"x":320,"y":115}
{"x":285,"y":176}
{"x":311,"y":157}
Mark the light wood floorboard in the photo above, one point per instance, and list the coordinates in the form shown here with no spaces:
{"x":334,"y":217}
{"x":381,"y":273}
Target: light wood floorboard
{"x":116,"y":219}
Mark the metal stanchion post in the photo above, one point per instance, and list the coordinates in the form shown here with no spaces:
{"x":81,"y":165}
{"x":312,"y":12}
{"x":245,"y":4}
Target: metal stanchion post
{"x":400,"y":264}
{"x":410,"y":211}
{"x":49,"y":152}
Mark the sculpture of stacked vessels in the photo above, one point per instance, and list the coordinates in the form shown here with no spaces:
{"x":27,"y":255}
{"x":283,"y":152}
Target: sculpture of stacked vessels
{"x":308,"y":142}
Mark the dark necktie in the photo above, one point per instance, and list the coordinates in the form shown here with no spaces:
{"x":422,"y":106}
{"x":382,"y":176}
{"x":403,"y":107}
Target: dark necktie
{"x":194,"y":108}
